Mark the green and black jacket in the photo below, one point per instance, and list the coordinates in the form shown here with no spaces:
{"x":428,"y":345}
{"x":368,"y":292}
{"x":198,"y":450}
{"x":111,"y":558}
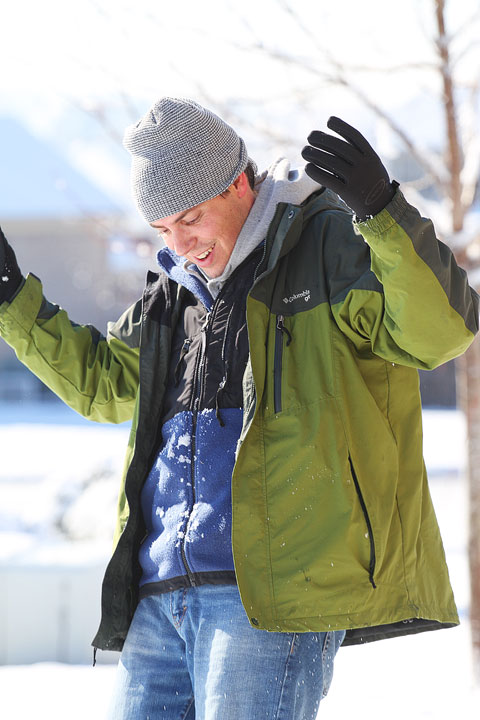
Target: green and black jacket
{"x":333,"y":525}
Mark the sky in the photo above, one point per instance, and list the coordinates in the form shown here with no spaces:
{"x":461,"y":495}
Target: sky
{"x":85,"y":49}
{"x":90,"y":50}
{"x":78,"y":72}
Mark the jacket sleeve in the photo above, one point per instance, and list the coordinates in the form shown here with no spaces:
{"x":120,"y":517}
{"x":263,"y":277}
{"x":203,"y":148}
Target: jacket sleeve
{"x":407,"y":301}
{"x":95,"y":375}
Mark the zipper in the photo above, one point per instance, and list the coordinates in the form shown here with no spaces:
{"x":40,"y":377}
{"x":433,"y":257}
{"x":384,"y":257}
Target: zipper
{"x":223,"y":382}
{"x":254,"y":281}
{"x":197,"y":382}
{"x":280,"y":331}
{"x":197,"y":392}
{"x":190,"y":575}
{"x":260,"y":263}
{"x":371,"y":568}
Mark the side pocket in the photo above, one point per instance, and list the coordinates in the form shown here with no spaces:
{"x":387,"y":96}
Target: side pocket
{"x":371,"y":568}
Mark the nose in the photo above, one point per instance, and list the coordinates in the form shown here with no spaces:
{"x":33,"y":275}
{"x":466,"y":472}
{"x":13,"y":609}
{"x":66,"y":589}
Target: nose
{"x":182,"y":240}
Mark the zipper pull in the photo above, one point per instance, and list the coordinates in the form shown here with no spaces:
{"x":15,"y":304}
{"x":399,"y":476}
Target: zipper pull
{"x":281,"y":328}
{"x":176,"y":375}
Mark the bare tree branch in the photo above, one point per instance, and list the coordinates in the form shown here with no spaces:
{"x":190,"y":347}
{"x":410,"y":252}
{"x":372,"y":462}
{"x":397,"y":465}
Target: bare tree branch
{"x":464,"y":52}
{"x":336,"y":76}
{"x":99,"y":113}
{"x":389,"y":69}
{"x":466,"y":26}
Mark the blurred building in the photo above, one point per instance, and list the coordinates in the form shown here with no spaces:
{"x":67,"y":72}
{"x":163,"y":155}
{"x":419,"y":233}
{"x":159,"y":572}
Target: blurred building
{"x":70,"y":234}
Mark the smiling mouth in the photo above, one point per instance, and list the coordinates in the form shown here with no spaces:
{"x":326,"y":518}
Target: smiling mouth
{"x":205,"y":254}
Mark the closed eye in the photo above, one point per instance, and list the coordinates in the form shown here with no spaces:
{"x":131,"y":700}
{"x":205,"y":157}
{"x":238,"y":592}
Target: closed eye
{"x":192,"y":221}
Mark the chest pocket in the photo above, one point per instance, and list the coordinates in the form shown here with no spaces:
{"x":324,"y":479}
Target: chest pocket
{"x":210,"y":350}
{"x":300,"y":360}
{"x":185,"y":351}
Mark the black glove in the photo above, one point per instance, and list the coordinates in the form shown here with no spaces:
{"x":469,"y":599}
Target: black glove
{"x":10,"y":275}
{"x":352,"y":169}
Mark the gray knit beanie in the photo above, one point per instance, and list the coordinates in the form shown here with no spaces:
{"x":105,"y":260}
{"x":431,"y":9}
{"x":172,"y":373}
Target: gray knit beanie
{"x":182,"y":155}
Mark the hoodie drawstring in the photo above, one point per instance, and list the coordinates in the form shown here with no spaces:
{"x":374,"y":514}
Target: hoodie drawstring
{"x":220,"y":389}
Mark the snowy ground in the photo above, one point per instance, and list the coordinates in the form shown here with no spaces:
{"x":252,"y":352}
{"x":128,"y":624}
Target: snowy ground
{"x":420,"y":677}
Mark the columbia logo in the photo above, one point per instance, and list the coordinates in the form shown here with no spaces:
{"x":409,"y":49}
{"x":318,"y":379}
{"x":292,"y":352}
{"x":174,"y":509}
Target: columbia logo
{"x":305,"y":294}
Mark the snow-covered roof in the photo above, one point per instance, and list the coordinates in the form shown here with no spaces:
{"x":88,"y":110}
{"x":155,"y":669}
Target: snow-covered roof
{"x":37,"y":182}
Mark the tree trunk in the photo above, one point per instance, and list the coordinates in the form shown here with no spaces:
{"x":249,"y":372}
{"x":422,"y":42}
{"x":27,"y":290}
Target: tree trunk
{"x":454,"y":155}
{"x":468,"y":366}
{"x":468,"y":386}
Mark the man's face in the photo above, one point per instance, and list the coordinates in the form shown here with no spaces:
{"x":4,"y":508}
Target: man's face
{"x":206,"y":234}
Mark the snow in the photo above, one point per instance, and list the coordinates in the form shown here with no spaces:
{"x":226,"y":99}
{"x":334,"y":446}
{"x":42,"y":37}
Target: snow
{"x":55,"y":691}
{"x":59,"y":474}
{"x":58,"y":484}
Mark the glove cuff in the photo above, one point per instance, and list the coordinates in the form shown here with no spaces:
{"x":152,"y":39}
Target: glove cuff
{"x":379,"y":204}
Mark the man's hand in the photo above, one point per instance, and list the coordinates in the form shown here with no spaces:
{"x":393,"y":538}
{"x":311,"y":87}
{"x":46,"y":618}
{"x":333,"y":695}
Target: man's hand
{"x":352,"y":169}
{"x":10,"y":275}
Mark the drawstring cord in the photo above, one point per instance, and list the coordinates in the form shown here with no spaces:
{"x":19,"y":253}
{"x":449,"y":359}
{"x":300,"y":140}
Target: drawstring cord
{"x":220,"y":389}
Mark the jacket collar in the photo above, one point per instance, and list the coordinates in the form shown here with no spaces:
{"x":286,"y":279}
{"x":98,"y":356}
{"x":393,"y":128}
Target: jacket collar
{"x":286,"y":228}
{"x":172,"y":265}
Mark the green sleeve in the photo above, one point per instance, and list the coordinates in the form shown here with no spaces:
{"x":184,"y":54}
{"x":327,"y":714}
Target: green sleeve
{"x":408,"y":302}
{"x":95,"y":375}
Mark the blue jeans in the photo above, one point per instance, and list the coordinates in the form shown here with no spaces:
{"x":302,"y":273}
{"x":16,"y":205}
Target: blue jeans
{"x":192,"y":655}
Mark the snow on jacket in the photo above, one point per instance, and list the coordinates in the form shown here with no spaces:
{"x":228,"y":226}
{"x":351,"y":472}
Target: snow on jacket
{"x":332,"y":520}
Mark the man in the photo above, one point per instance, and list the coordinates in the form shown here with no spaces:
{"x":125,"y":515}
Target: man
{"x":275,"y":502}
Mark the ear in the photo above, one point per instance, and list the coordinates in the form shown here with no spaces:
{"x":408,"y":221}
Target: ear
{"x":241,"y":185}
